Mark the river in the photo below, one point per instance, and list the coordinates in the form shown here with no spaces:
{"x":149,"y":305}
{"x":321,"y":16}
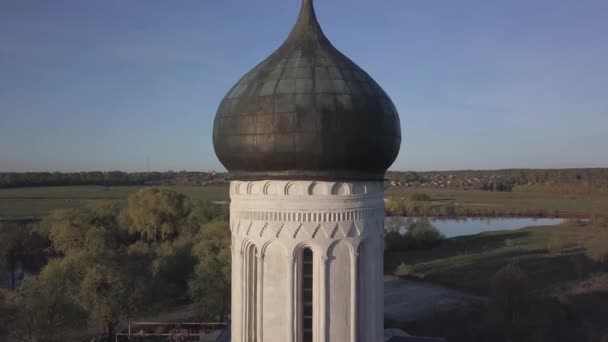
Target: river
{"x":451,"y":227}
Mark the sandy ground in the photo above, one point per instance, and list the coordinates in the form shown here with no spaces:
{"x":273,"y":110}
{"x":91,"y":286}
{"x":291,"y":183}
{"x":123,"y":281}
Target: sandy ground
{"x":407,"y":300}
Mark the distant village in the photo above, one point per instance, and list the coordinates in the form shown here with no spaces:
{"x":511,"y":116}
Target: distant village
{"x":493,"y":180}
{"x":485,"y":180}
{"x":443,"y":180}
{"x":191,"y":178}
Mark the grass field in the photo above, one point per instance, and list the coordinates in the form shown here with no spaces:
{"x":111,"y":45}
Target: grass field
{"x":36,"y":202}
{"x":586,"y":205}
{"x":550,"y":255}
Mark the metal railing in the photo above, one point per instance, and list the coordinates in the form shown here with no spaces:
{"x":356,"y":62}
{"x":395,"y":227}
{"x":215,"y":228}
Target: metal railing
{"x":168,"y":331}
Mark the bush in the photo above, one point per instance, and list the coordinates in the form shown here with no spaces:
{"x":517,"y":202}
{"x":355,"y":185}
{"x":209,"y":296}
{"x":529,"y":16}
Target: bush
{"x":404,"y":270}
{"x":556,"y":244}
{"x":420,"y":197}
{"x":597,"y":248}
{"x":514,"y":313}
{"x":420,"y":235}
{"x":397,"y":242}
{"x":424,"y":234}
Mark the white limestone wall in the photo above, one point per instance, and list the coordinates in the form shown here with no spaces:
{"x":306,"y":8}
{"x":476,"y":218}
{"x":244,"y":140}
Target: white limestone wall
{"x":342,"y":223}
{"x":275,"y":294}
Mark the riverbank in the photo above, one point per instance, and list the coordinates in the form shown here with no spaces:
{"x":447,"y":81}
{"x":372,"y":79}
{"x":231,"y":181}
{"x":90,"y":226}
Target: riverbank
{"x":565,"y":266}
{"x":550,"y":254}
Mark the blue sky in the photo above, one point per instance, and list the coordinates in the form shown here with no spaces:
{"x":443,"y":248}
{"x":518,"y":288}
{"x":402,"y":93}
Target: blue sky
{"x":103,"y":85}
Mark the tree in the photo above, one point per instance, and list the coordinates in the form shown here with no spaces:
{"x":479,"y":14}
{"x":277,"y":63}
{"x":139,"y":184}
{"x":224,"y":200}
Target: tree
{"x":67,"y":229}
{"x":210,"y":286}
{"x":421,"y":234}
{"x":41,"y":308}
{"x":20,"y":247}
{"x":110,"y":292}
{"x":205,"y":211}
{"x":510,"y":303}
{"x":105,"y":281}
{"x":393,"y":206}
{"x":156,"y":214}
{"x":424,"y":234}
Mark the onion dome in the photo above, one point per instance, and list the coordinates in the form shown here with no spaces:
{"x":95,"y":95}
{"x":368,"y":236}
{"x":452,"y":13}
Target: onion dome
{"x":307,"y":112}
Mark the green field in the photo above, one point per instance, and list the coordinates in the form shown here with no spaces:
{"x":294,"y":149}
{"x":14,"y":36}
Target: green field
{"x":38,"y":201}
{"x":566,"y":204}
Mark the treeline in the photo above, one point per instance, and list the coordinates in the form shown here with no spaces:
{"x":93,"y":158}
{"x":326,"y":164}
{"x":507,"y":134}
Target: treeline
{"x":111,"y":178}
{"x":108,"y":263}
{"x":571,"y":188}
{"x":421,"y":205}
{"x":553,"y":180}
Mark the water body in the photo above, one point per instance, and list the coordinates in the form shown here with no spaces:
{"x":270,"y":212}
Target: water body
{"x":451,"y":227}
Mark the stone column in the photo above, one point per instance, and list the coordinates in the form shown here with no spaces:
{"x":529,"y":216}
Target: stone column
{"x":353,"y":296}
{"x":291,"y":327}
{"x":259,"y":296}
{"x":323,"y":307}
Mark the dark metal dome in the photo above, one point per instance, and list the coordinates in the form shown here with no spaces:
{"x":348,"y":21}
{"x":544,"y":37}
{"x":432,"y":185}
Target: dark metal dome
{"x":307,"y":112}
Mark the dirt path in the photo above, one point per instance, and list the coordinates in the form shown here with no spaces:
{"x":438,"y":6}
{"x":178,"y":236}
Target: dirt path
{"x":408,"y":300}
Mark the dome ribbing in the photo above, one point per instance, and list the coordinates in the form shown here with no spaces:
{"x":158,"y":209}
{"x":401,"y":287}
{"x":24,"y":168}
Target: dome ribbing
{"x":307,"y":112}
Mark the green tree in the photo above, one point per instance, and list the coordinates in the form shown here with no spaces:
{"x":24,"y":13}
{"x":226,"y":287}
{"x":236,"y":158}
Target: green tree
{"x":510,"y":302}
{"x":391,"y":206}
{"x":41,"y":309}
{"x":106,"y":281}
{"x":67,"y":229}
{"x":206,"y":211}
{"x":20,"y":246}
{"x":172,"y":264}
{"x":110,"y":291}
{"x":424,"y":234}
{"x":156,"y":214}
{"x":210,"y":286}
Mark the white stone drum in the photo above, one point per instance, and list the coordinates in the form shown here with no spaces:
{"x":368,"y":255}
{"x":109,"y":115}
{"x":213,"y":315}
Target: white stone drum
{"x":279,"y":292}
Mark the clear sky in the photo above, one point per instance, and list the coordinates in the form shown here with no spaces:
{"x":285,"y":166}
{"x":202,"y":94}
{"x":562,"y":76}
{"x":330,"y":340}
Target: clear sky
{"x":103,"y":85}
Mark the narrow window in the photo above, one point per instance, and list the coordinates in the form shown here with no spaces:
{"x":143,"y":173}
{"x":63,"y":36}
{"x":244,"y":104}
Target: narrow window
{"x":251,"y":300}
{"x":306,"y":295}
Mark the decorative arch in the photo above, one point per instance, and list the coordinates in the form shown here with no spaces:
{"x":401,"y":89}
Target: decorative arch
{"x":341,"y":189}
{"x":291,"y":188}
{"x":317,"y":188}
{"x":358,"y":188}
{"x":272,"y":188}
{"x":350,"y":244}
{"x":297,"y":249}
{"x":265,"y":245}
{"x":254,"y":188}
{"x":247,"y":243}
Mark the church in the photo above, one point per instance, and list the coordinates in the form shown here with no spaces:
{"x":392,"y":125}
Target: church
{"x":307,"y":137}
